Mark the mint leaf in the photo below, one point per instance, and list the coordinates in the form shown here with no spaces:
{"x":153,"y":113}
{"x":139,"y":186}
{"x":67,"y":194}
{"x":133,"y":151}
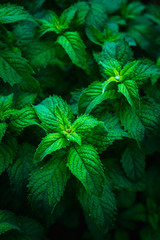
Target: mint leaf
{"x":74,"y":47}
{"x":51,"y":143}
{"x":84,"y":163}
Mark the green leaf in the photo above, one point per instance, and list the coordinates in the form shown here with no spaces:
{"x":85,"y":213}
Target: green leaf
{"x":74,"y":47}
{"x":98,"y":138}
{"x":101,"y":209}
{"x":84,"y":163}
{"x":46,"y":112}
{"x":110,"y":68}
{"x":48,"y":182}
{"x":142,"y":32}
{"x":96,"y":15}
{"x":5,"y":106}
{"x":108,"y":82}
{"x":153,"y":13}
{"x":84,"y":124}
{"x":19,"y":171}
{"x":110,"y":34}
{"x":23,"y":118}
{"x":54,"y":113}
{"x":50,"y":23}
{"x":134,"y":9}
{"x":24,"y":33}
{"x":133,"y":162}
{"x":51,"y":143}
{"x":119,"y":181}
{"x":113,"y":128}
{"x":41,"y":53}
{"x":30,"y":229}
{"x":7,"y":153}
{"x":14,"y":68}
{"x":132,"y":123}
{"x":62,"y":119}
{"x":138,"y":70}
{"x":67,"y":16}
{"x":73,"y":137}
{"x":119,"y":51}
{"x":130,"y":90}
{"x":10,"y":13}
{"x":150,"y":113}
{"x":3,"y":128}
{"x":8,"y":221}
{"x":24,"y":99}
{"x":46,"y":116}
{"x":95,"y":35}
{"x":82,"y":11}
{"x":94,"y":95}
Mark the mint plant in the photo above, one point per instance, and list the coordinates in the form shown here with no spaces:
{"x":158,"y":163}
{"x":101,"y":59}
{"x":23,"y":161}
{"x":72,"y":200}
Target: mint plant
{"x":79,"y":120}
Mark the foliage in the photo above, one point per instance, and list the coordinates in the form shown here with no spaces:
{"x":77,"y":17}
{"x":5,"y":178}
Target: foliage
{"x":79,"y":119}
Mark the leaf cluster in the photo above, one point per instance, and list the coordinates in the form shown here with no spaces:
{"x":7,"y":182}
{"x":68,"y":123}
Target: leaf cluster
{"x":79,"y":119}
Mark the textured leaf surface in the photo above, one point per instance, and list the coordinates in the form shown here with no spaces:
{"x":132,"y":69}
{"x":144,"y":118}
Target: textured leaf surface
{"x":62,"y":119}
{"x":93,"y":96}
{"x":50,"y":23}
{"x":113,"y":128}
{"x":73,"y":137}
{"x":110,"y":67}
{"x":98,"y":138}
{"x":150,"y":114}
{"x":82,"y":10}
{"x":23,"y":118}
{"x":51,"y":143}
{"x":138,"y":70}
{"x":3,"y":127}
{"x":119,"y":51}
{"x":25,"y":99}
{"x":46,"y":116}
{"x":74,"y":47}
{"x":84,"y":124}
{"x":14,"y":68}
{"x":133,"y":162}
{"x":40,"y":53}
{"x":46,"y":112}
{"x":101,"y":209}
{"x":5,"y":106}
{"x":8,"y":221}
{"x":48,"y":182}
{"x":132,"y":123}
{"x":10,"y":13}
{"x":67,"y":16}
{"x":130,"y":90}
{"x":84,"y":163}
{"x":96,"y":15}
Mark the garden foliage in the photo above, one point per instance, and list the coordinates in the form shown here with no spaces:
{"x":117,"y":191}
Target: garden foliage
{"x":79,"y":119}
